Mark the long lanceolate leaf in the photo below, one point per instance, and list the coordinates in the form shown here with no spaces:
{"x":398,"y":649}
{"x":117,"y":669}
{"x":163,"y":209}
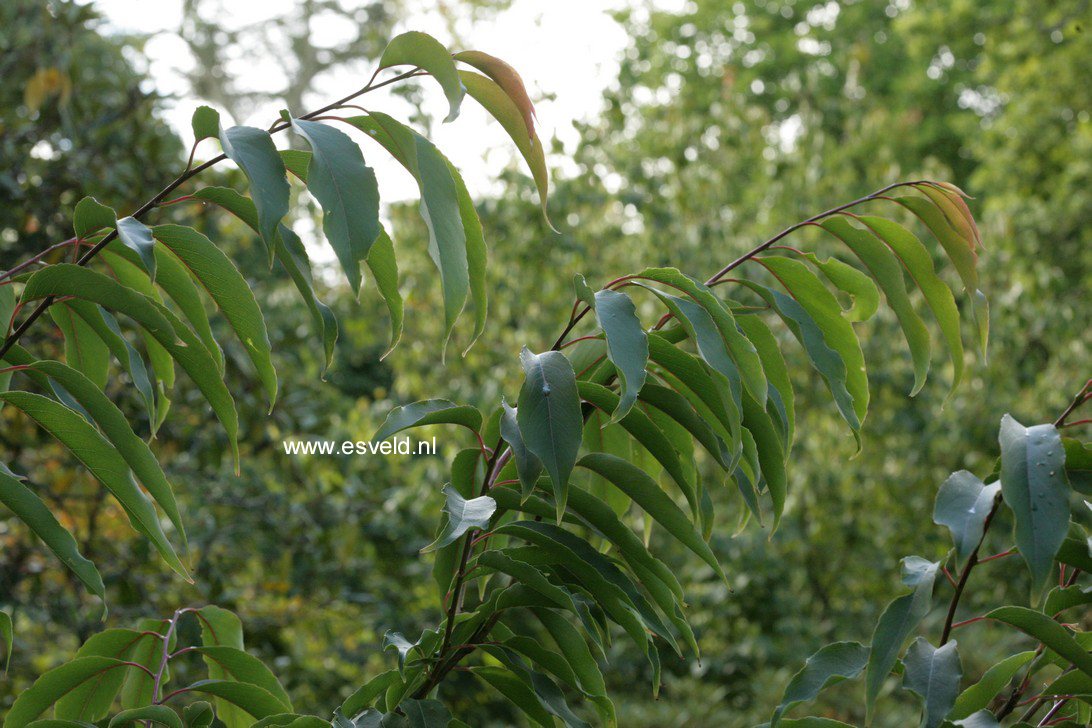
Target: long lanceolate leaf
{"x":347,"y":190}
{"x":253,"y":150}
{"x":104,"y":462}
{"x":30,"y":509}
{"x":163,"y":326}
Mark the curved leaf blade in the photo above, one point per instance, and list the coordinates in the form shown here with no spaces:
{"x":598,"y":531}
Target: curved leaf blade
{"x":253,"y":150}
{"x":423,"y":51}
{"x":462,"y":515}
{"x":428,"y":412}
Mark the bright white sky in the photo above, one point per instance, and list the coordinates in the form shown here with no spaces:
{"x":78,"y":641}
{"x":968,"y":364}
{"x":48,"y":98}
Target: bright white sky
{"x":566,"y":50}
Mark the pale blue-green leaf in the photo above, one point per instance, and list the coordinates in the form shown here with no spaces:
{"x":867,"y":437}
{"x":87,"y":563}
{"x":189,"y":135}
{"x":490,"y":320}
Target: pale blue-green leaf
{"x":253,"y":150}
{"x":836,"y":661}
{"x":962,"y":504}
{"x":933,"y":673}
{"x":136,"y":236}
{"x":462,"y":515}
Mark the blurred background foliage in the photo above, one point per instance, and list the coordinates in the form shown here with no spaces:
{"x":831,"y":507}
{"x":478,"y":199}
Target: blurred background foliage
{"x":727,"y":122}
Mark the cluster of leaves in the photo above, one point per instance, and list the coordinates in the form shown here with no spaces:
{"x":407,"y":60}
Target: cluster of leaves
{"x":546,"y":552}
{"x":1039,"y":479}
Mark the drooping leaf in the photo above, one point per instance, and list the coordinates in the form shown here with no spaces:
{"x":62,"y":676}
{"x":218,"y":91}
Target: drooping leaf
{"x":7,"y":632}
{"x":348,"y":192}
{"x":885,"y":268}
{"x":114,"y":425}
{"x":253,"y":150}
{"x":548,"y":413}
{"x":366,"y":694}
{"x":462,"y":515}
{"x":814,"y":298}
{"x":139,"y":686}
{"x":440,"y":207}
{"x":136,"y":236}
{"x":198,"y":714}
{"x":627,"y":343}
{"x":638,"y":424}
{"x":824,"y":359}
{"x":1047,"y":631}
{"x":106,"y":328}
{"x":423,"y":51}
{"x":55,"y":684}
{"x":528,"y":576}
{"x":1034,"y":486}
{"x":528,"y":466}
{"x":227,"y":287}
{"x":1061,"y":598}
{"x":933,"y":673}
{"x":647,"y":493}
{"x":507,"y":78}
{"x":90,"y":216}
{"x":30,"y":509}
{"x":839,"y":660}
{"x":104,"y":462}
{"x":384,"y":267}
{"x":425,"y":713}
{"x":65,"y":279}
{"x":476,"y":255}
{"x":959,"y":250}
{"x":919,"y":264}
{"x":222,"y":628}
{"x":84,"y":349}
{"x":518,"y":692}
{"x":898,"y":620}
{"x":962,"y":504}
{"x":857,"y":284}
{"x":494,"y":99}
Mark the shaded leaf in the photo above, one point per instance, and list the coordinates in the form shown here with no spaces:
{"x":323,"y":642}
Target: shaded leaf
{"x":155,"y":713}
{"x":528,"y":467}
{"x":627,"y":343}
{"x":205,"y":123}
{"x":1047,"y":631}
{"x":839,"y":660}
{"x":428,"y":412}
{"x":978,"y":696}
{"x":933,"y":673}
{"x":90,"y":216}
{"x":55,"y":684}
{"x":253,"y":150}
{"x":962,"y":504}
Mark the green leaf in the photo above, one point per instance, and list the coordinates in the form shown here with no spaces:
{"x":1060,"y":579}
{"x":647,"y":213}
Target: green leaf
{"x":690,"y":379}
{"x":401,"y":645}
{"x":227,"y":287}
{"x":462,"y":515}
{"x":824,"y":359}
{"x":104,"y":462}
{"x":7,"y":633}
{"x":440,"y":207}
{"x":918,"y":263}
{"x":627,"y":343}
{"x":978,"y":696}
{"x":814,"y":298}
{"x":638,"y":424}
{"x":1047,"y":631}
{"x":138,"y":688}
{"x":854,"y":283}
{"x":384,"y":267}
{"x":237,"y":665}
{"x":545,"y":689}
{"x":106,"y":328}
{"x":1078,"y":464}
{"x":1061,"y":598}
{"x":1071,"y":683}
{"x":885,"y":268}
{"x":839,"y":660}
{"x":205,"y":123}
{"x":84,"y":349}
{"x":91,"y":216}
{"x":677,"y":408}
{"x":1035,"y":489}
{"x":494,"y":99}
{"x":528,"y":467}
{"x":425,"y":713}
{"x":602,"y":580}
{"x":113,"y":424}
{"x":548,"y":412}
{"x":136,"y":236}
{"x":55,"y":684}
{"x":291,"y":720}
{"x":156,"y":713}
{"x":252,"y":699}
{"x":507,"y":78}
{"x":365,"y":695}
{"x":933,"y":673}
{"x":199,"y":715}
{"x":516,"y":691}
{"x":428,"y":412}
{"x":959,"y":252}
{"x":222,"y":628}
{"x":898,"y":620}
{"x":348,"y":192}
{"x":65,"y":279}
{"x":253,"y":150}
{"x":646,"y":493}
{"x":575,"y":650}
{"x":476,"y":255}
{"x":527,"y":575}
{"x":423,"y":51}
{"x":963,"y":503}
